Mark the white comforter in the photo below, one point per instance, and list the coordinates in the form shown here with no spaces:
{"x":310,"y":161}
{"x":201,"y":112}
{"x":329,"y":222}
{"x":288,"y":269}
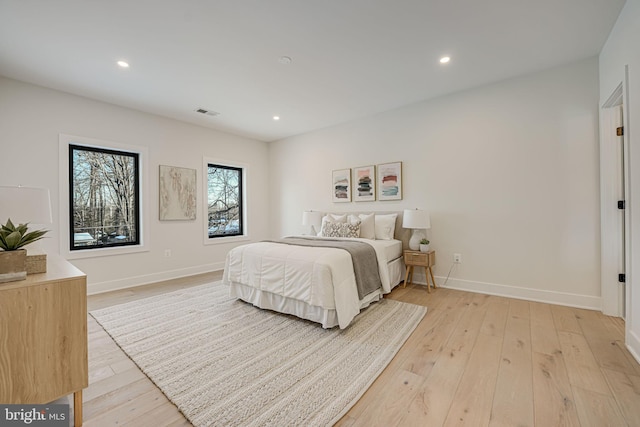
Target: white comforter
{"x":321,"y":277}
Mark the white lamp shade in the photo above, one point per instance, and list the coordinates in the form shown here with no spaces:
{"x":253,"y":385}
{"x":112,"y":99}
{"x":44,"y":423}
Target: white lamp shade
{"x":312,"y":218}
{"x":25,"y":205}
{"x":416,"y":219}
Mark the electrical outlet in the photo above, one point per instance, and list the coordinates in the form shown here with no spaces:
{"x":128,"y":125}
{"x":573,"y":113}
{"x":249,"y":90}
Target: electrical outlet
{"x":457,"y":258}
{"x":167,"y":253}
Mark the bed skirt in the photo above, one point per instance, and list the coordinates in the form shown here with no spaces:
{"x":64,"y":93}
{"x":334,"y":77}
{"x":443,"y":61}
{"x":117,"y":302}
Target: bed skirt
{"x":327,"y":317}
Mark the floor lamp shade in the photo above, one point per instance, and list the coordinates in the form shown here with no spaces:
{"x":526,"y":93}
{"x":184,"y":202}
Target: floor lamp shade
{"x":25,"y":205}
{"x":418,"y":220}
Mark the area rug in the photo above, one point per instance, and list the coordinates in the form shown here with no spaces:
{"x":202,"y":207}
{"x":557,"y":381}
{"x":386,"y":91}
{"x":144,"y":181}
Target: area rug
{"x":223,"y":362}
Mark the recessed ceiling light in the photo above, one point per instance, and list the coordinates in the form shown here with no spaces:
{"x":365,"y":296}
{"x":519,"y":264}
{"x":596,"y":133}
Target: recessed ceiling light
{"x":276,"y":118}
{"x":445,"y":59}
{"x":285,"y":60}
{"x":123,"y":64}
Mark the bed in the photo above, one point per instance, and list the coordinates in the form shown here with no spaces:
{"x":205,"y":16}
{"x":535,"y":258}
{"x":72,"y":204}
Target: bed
{"x":319,"y":283}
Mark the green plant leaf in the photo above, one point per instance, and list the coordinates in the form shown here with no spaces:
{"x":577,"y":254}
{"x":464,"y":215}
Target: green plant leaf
{"x":13,"y":240}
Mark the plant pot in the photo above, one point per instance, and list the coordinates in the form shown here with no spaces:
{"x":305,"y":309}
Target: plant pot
{"x":424,"y":248}
{"x":13,"y":265}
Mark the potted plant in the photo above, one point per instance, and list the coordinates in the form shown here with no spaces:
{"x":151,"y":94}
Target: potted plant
{"x":13,"y":259}
{"x":424,"y":245}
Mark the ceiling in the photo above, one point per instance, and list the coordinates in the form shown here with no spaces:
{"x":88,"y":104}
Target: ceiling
{"x":350,"y":58}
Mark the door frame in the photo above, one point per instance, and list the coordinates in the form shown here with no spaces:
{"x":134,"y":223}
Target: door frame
{"x":611,"y":220}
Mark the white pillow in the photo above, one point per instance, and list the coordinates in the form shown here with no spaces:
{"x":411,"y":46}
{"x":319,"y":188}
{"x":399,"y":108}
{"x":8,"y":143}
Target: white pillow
{"x":338,"y":218}
{"x":385,"y":226}
{"x":367,"y":226}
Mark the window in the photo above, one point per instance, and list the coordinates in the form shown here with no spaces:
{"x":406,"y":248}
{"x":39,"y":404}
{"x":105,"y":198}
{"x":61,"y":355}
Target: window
{"x":104,"y":198}
{"x":225,"y":211}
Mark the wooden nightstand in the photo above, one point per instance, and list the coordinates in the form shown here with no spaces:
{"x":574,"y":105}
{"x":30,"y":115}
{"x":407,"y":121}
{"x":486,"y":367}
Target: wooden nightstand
{"x":420,"y":259}
{"x":43,"y":336}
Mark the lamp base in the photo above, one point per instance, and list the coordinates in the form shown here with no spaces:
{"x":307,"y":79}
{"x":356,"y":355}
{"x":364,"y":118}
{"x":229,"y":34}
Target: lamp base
{"x":416,"y":236}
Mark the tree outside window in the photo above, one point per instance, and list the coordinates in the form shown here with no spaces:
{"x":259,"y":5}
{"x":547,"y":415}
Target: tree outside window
{"x":224,"y":189}
{"x":104,"y":198}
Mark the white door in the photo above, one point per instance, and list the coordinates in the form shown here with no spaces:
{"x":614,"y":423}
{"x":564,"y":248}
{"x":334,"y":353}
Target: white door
{"x":613,"y":203}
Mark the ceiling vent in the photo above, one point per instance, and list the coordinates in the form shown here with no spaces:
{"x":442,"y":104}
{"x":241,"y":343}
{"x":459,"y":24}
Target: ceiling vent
{"x":206,"y":112}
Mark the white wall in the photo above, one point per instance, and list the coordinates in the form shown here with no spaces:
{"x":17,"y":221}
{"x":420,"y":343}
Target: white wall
{"x":508,"y":171}
{"x":619,"y":54}
{"x":32,"y":117}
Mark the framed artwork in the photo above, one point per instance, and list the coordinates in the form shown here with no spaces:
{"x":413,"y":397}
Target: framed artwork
{"x":341,"y":185}
{"x":177,"y":193}
{"x":364,"y":179}
{"x":390,"y":181}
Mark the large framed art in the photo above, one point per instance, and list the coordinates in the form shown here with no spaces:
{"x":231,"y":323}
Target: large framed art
{"x":177,"y":193}
{"x":341,"y":185}
{"x":390,"y":181}
{"x":364,"y":179}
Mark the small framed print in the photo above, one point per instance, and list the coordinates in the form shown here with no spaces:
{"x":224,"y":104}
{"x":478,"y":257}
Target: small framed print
{"x":364,"y":181}
{"x":390,"y":181}
{"x":341,"y":185}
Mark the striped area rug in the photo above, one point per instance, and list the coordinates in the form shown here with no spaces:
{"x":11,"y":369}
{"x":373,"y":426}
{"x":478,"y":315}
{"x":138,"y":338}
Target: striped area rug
{"x":226,"y":363}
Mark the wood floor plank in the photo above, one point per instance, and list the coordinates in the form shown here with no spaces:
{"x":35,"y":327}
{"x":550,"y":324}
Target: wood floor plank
{"x":162,"y":415}
{"x":131,"y":410}
{"x":544,"y":335}
{"x":626,"y":390}
{"x":597,"y":410}
{"x":433,"y":400}
{"x":496,"y":317}
{"x":582,"y":367}
{"x":389,"y":407}
{"x":112,"y":383}
{"x":464,"y":336}
{"x":603,"y":345}
{"x":519,"y":308}
{"x":431,"y":345}
{"x":472,"y":402}
{"x":112,"y":400}
{"x":554,"y":404}
{"x":540,"y":315}
{"x":545,"y":339}
{"x":513,"y":398}
{"x":565,"y":319}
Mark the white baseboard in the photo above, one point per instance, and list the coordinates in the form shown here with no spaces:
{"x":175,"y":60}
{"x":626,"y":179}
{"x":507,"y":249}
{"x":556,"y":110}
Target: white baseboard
{"x":129,"y":282}
{"x":539,"y":295}
{"x":632,"y":342}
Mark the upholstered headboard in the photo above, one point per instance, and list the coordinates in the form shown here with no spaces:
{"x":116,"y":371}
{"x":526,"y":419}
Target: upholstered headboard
{"x":400,"y":233}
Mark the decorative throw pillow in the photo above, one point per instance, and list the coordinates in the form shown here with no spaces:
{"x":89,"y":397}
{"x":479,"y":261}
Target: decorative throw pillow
{"x":385,"y":226}
{"x":350,"y":229}
{"x":331,"y":218}
{"x":334,"y":229}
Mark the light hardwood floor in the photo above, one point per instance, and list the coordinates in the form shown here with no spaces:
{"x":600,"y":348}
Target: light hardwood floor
{"x":474,"y":360}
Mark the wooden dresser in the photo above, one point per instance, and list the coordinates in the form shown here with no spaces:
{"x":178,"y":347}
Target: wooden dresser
{"x":43,"y":337}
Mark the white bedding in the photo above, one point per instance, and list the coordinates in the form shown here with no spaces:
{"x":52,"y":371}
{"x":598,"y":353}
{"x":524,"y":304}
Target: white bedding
{"x":310,"y":282}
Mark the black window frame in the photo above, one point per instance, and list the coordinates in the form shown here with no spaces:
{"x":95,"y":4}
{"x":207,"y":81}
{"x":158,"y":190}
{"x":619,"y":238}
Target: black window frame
{"x":241,"y":219}
{"x":138,"y":198}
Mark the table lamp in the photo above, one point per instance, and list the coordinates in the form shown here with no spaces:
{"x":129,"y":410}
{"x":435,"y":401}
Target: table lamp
{"x":419,"y":221}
